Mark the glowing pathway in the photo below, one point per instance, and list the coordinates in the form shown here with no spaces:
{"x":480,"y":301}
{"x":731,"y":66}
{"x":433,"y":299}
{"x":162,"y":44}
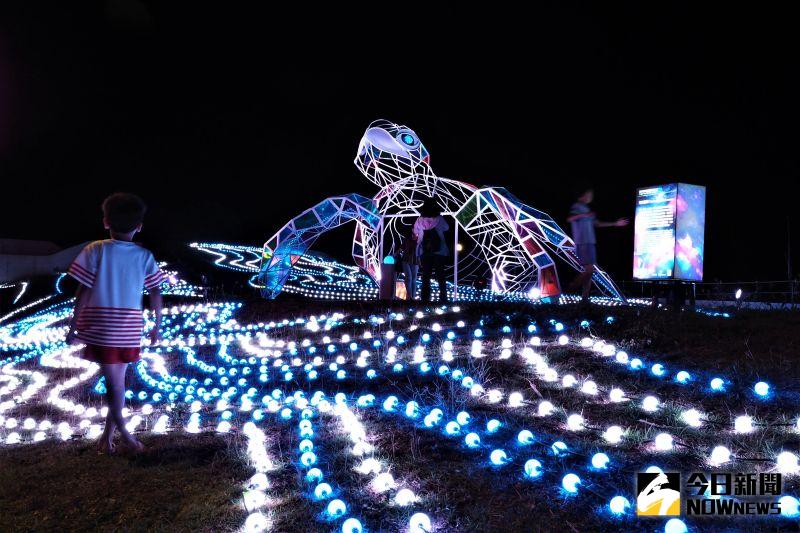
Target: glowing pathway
{"x":575,"y":419}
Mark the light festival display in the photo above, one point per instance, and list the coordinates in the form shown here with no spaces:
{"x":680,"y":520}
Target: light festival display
{"x":597,"y":414}
{"x":669,"y":232}
{"x":510,"y":243}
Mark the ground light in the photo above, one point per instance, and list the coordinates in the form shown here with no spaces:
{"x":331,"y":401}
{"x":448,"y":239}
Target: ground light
{"x":570,"y":483}
{"x":618,"y":505}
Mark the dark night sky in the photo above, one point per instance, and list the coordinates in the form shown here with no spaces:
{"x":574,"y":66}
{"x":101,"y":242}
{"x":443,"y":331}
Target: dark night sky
{"x":229,"y":121}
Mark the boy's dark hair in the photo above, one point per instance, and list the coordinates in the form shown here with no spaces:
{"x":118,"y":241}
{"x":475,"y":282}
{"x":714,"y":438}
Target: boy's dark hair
{"x":581,"y":187}
{"x":123,"y":211}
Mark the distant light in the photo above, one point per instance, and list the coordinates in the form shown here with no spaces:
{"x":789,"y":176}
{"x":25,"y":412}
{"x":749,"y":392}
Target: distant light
{"x":613,"y":434}
{"x":600,"y":460}
{"x":743,"y":424}
{"x":336,"y":508}
{"x":719,"y":455}
{"x":789,"y":506}
{"x":533,"y":468}
{"x":738,"y":293}
{"x":388,"y":260}
{"x":535,"y":293}
{"x":787,"y":463}
{"x":663,"y":442}
{"x":618,"y":504}
{"x":570,"y":483}
{"x":650,"y":404}
{"x":405,"y":497}
{"x":419,"y":523}
{"x":761,"y":388}
{"x":575,"y":422}
{"x":352,"y":525}
{"x":498,"y":457}
{"x":459,"y":247}
{"x":675,"y":525}
{"x":525,"y":437}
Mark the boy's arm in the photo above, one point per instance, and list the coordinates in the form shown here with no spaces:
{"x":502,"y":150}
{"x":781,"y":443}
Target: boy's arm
{"x":578,"y":216}
{"x":618,"y":224}
{"x":156,"y":303}
{"x":81,"y":296}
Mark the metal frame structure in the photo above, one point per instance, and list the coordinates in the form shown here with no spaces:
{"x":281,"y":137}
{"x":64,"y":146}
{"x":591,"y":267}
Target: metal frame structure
{"x":511,"y":242}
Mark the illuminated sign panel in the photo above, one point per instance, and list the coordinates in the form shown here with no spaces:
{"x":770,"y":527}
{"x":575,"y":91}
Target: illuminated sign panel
{"x":669,"y":232}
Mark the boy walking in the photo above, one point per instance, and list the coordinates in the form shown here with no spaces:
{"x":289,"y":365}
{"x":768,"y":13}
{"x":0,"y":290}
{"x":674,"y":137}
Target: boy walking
{"x":108,"y":308}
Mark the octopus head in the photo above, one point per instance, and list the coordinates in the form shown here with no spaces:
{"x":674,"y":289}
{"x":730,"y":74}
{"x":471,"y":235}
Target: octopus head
{"x":389,"y":152}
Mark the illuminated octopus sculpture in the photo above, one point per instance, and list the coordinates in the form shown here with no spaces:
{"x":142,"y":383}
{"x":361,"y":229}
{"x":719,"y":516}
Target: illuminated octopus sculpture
{"x":514,"y":240}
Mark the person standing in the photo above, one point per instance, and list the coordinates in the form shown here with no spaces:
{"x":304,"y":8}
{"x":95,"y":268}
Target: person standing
{"x":584,"y":221}
{"x":429,"y":232}
{"x":410,"y":258}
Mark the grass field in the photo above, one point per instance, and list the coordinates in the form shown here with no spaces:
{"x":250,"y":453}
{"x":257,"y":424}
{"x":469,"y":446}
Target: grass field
{"x":188,"y":482}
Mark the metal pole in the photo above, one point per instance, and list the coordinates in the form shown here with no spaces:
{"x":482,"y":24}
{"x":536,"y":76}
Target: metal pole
{"x":455,"y":264}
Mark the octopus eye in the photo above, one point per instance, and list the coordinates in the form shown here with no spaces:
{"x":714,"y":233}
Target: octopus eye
{"x":408,"y":139}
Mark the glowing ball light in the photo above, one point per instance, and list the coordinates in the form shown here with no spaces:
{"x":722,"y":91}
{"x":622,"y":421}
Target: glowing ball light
{"x":568,"y":381}
{"x":452,"y":428}
{"x":472,"y":440}
{"x":255,"y":523}
{"x":558,"y":448}
{"x":657,"y":369}
{"x":315,"y":474}
{"x":663,"y":442}
{"x":563,"y":340}
{"x":719,"y":455}
{"x":405,"y":497}
{"x":743,"y":424}
{"x":545,"y":408}
{"x":336,"y":508}
{"x":253,"y":499}
{"x":589,"y":387}
{"x":463,"y":418}
{"x":675,"y":525}
{"x":419,"y":523}
{"x":761,"y":388}
{"x":308,"y":458}
{"x":352,"y":525}
{"x":570,"y":483}
{"x":493,"y":425}
{"x":383,"y":482}
{"x":787,"y":463}
{"x":498,"y":457}
{"x":652,"y":469}
{"x":259,"y":481}
{"x":618,"y":504}
{"x":575,"y":422}
{"x":717,"y":384}
{"x":790,"y":506}
{"x":692,"y":417}
{"x":515,"y":399}
{"x":613,"y":434}
{"x":525,"y":437}
{"x":683,"y":377}
{"x":533,"y":468}
{"x":600,"y":460}
{"x":650,"y":404}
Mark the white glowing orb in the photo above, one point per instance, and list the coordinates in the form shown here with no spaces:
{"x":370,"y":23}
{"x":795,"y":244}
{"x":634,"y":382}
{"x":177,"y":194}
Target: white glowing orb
{"x":352,"y":525}
{"x":613,"y":434}
{"x":650,"y":404}
{"x":255,"y":523}
{"x":383,"y":482}
{"x":761,"y":388}
{"x":515,"y":399}
{"x":575,"y":422}
{"x":790,"y":506}
{"x":525,"y":437}
{"x":563,"y":340}
{"x":719,"y":455}
{"x":545,"y":408}
{"x":663,"y":442}
{"x":616,"y":395}
{"x":405,"y":497}
{"x":498,"y":457}
{"x":589,"y":387}
{"x":419,"y":523}
{"x":568,"y":381}
{"x":570,"y":483}
{"x":618,"y":504}
{"x":787,"y":463}
{"x":675,"y":525}
{"x":692,"y":417}
{"x":533,"y":468}
{"x":600,"y":460}
{"x":743,"y":424}
{"x":336,"y":508}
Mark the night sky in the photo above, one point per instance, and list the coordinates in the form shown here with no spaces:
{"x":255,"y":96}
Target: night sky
{"x":229,"y":121}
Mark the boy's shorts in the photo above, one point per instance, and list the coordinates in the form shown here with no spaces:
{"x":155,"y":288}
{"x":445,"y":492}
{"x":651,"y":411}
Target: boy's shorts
{"x":109,"y":355}
{"x":587,"y":253}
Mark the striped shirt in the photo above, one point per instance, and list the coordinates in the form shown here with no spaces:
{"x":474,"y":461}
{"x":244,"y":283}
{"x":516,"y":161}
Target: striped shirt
{"x":115,"y":273}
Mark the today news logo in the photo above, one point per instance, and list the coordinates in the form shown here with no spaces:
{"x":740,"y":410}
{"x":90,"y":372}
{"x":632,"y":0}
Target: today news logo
{"x":658,"y":494}
{"x":708,"y":494}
